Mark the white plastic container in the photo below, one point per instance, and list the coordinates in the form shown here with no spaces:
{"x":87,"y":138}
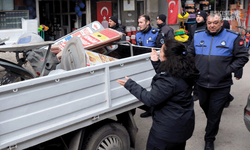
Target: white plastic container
{"x":30,"y":25}
{"x":128,"y":31}
{"x":7,"y":5}
{"x":133,"y":30}
{"x":128,"y":38}
{"x":133,"y":39}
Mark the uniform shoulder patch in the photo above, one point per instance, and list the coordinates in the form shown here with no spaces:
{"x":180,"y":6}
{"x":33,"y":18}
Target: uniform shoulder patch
{"x":154,"y":30}
{"x":233,"y":31}
{"x":241,"y":42}
{"x":199,"y":30}
{"x":164,"y":73}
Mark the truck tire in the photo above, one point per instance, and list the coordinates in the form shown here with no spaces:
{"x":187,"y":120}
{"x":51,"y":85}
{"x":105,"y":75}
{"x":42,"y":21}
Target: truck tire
{"x":112,"y":136}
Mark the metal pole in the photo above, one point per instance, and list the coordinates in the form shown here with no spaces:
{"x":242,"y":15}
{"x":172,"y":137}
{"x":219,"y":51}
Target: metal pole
{"x":214,"y":5}
{"x":119,"y":13}
{"x":226,"y":5}
{"x":130,"y":46}
{"x":88,"y":11}
{"x":45,"y":60}
{"x":37,"y":13}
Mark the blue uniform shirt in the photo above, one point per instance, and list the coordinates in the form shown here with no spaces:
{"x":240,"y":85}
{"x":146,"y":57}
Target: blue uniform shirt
{"x":147,"y":39}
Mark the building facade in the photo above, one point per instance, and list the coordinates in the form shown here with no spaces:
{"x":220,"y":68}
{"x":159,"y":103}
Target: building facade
{"x":64,"y":16}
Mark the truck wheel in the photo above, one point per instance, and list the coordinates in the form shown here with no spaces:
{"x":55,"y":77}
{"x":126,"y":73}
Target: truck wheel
{"x":112,"y":136}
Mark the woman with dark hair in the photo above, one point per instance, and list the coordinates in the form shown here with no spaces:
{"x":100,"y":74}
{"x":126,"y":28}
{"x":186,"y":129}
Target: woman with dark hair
{"x":170,"y":97}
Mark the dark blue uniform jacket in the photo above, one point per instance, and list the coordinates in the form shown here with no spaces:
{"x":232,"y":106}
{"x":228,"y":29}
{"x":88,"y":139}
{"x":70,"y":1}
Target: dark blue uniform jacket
{"x":150,"y":37}
{"x":217,"y":56}
{"x":170,"y":97}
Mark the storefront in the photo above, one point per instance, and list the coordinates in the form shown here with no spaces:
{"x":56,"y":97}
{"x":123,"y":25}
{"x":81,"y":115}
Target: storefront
{"x":127,"y":11}
{"x":236,"y":11}
{"x":62,"y":16}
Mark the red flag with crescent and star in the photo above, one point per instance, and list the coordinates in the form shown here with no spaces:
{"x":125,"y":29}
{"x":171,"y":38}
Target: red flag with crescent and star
{"x":104,"y":11}
{"x":173,"y":9}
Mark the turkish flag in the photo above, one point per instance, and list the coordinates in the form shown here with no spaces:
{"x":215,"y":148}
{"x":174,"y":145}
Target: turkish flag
{"x":104,"y":11}
{"x":173,"y":9}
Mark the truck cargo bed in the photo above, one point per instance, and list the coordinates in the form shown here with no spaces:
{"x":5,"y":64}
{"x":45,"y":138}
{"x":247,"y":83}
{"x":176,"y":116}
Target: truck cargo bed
{"x":36,"y":110}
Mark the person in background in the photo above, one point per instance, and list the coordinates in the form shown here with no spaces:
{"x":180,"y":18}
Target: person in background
{"x":201,"y":18}
{"x":113,"y":24}
{"x":218,"y":52}
{"x":165,"y":29}
{"x":170,"y":97}
{"x":148,"y":36}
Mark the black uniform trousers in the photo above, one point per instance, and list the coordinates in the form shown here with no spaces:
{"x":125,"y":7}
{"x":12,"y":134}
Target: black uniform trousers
{"x":154,"y":143}
{"x":195,"y":92}
{"x":212,"y":101}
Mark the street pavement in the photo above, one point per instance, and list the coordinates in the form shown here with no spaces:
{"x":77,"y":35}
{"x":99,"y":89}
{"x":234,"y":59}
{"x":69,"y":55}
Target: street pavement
{"x":233,"y":134}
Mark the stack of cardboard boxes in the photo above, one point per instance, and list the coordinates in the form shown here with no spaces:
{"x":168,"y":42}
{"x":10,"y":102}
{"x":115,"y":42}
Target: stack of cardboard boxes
{"x":239,"y":19}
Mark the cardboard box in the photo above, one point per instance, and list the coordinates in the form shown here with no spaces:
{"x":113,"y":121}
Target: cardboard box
{"x":241,"y":6}
{"x":242,"y":11}
{"x":234,"y":23}
{"x":233,"y":6}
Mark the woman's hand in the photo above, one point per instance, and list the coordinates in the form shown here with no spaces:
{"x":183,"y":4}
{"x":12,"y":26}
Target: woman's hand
{"x":122,"y":82}
{"x":154,"y":55}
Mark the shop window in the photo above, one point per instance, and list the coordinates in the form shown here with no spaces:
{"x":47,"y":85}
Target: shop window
{"x":57,"y":20}
{"x":65,"y":31}
{"x":57,"y":6}
{"x":72,"y":22}
{"x":84,"y":2}
{"x":64,"y":6}
{"x":83,"y":20}
{"x":140,"y":8}
{"x":72,"y":5}
{"x":62,"y":19}
{"x":65,"y":20}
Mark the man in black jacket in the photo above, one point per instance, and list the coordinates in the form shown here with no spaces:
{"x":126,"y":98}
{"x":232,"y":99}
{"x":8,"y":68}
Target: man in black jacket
{"x":113,"y":24}
{"x":201,"y":18}
{"x":218,"y":52}
{"x":168,"y":31}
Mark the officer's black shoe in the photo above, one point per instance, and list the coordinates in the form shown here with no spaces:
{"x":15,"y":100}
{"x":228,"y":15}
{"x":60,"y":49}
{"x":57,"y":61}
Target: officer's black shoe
{"x":209,"y":146}
{"x":230,"y":99}
{"x":146,"y":114}
{"x":195,"y":97}
{"x":227,"y":104}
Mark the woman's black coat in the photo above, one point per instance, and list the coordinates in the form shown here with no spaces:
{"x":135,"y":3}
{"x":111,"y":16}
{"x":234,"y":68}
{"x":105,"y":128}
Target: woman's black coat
{"x":173,"y":112}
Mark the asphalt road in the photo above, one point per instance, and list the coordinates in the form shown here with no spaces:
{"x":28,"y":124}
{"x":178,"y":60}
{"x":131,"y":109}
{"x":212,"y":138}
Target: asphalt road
{"x":233,"y":134}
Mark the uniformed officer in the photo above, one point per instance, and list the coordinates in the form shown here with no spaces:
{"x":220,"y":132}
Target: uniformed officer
{"x":167,"y":30}
{"x":218,"y":52}
{"x":113,"y":23}
{"x":148,"y":36}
